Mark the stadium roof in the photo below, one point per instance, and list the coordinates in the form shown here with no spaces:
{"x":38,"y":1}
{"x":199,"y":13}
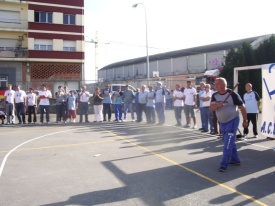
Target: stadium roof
{"x":186,"y":52}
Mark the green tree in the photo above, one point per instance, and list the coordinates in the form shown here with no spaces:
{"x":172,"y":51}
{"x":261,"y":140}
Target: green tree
{"x":228,"y":67}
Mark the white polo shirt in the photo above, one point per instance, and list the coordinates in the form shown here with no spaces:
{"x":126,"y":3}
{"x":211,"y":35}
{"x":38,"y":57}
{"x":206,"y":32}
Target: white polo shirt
{"x":178,"y":102}
{"x":9,"y":94}
{"x":204,"y":95}
{"x":84,"y":97}
{"x":19,"y":96}
{"x":45,"y":101}
{"x":189,"y":94}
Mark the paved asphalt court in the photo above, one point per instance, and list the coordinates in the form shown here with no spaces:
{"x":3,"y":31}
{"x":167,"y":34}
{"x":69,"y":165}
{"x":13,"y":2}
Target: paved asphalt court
{"x":129,"y":164}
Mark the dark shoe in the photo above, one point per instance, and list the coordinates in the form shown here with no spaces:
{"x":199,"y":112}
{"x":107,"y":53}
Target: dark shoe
{"x":87,"y":121}
{"x":204,"y":131}
{"x":104,"y":120}
{"x":178,"y":125}
{"x":222,"y":169}
{"x":201,"y":128}
{"x":234,"y":163}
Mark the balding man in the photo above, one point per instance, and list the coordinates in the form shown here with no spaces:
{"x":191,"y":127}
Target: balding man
{"x":228,"y":115}
{"x":252,"y":104}
{"x":84,"y":97}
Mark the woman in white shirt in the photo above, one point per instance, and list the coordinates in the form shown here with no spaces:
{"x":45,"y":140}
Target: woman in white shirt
{"x":207,"y":115}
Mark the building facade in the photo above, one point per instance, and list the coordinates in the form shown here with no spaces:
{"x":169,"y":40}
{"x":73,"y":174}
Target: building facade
{"x":195,"y":64}
{"x":41,"y":41}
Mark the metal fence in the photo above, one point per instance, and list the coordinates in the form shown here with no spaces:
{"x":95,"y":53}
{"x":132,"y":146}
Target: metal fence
{"x":52,"y":85}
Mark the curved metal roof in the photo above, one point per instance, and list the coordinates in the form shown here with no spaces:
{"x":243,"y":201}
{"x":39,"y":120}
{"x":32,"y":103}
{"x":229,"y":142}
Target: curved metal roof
{"x":184,"y":52}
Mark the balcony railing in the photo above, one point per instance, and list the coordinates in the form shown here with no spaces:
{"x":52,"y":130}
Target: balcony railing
{"x":9,"y":52}
{"x":13,"y":24}
{"x":15,"y":1}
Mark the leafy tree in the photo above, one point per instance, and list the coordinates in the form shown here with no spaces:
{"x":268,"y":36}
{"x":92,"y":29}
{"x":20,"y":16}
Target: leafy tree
{"x":228,"y":67}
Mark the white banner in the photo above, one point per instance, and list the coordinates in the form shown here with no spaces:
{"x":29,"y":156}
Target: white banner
{"x":268,"y":107}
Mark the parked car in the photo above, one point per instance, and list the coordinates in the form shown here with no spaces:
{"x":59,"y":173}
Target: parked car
{"x":113,"y":87}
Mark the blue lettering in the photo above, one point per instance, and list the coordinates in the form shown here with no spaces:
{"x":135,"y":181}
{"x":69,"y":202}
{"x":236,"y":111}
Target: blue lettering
{"x":268,"y":128}
{"x":263,"y":127}
{"x":274,"y":129}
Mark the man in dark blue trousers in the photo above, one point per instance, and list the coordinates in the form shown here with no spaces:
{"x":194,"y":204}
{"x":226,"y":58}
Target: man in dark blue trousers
{"x":228,"y":115}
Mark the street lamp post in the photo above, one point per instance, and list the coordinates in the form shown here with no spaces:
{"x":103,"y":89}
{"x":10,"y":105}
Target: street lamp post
{"x":147,"y":55}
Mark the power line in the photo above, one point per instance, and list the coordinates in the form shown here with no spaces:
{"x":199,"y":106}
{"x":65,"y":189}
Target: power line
{"x":104,"y":41}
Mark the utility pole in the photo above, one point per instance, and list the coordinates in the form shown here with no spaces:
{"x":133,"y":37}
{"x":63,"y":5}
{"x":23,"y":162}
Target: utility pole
{"x":95,"y":41}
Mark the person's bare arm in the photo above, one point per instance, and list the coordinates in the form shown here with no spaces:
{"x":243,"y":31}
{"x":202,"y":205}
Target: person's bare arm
{"x":243,"y":111}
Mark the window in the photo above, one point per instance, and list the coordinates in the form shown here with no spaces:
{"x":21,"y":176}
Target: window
{"x":9,"y":16}
{"x":43,"y":44}
{"x":43,"y":17}
{"x":69,"y":19}
{"x":69,"y":45}
{"x":8,"y":44}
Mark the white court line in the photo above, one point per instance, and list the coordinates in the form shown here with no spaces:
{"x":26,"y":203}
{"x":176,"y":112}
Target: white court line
{"x":8,"y":154}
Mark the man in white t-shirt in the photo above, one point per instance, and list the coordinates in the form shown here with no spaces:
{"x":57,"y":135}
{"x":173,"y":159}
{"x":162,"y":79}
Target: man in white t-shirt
{"x":252,"y":104}
{"x":84,"y":97}
{"x":32,"y":105}
{"x":202,"y":90}
{"x":207,"y":115}
{"x":20,"y":99}
{"x":189,"y":98}
{"x":44,"y":103}
{"x":178,"y":104}
{"x":9,"y":104}
{"x":160,"y":103}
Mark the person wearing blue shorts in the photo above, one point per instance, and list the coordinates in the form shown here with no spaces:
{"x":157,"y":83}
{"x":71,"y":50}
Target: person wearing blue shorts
{"x":228,"y":115}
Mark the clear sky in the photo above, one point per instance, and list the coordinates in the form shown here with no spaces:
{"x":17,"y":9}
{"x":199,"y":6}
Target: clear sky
{"x":172,"y":25}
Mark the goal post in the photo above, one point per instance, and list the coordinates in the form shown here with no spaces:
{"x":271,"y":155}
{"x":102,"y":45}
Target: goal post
{"x":237,"y":69}
{"x":268,"y":100}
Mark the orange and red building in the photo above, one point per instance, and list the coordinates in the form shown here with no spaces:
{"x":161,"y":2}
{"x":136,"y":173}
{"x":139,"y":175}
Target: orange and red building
{"x":41,"y":41}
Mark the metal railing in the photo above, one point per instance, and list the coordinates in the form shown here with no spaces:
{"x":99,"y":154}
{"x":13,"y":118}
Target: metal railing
{"x":15,"y":1}
{"x":13,"y":24}
{"x":14,"y":53}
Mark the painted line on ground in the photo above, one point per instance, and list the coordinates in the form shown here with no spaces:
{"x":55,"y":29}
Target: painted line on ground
{"x":36,"y":138}
{"x":60,"y":146}
{"x":186,"y":168}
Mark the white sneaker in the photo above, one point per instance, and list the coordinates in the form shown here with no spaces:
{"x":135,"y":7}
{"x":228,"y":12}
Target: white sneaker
{"x":73,"y":120}
{"x":255,"y":136}
{"x":195,"y":127}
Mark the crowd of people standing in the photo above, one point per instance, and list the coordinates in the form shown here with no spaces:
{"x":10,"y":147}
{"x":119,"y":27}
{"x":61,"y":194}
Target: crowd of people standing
{"x":219,"y":108}
{"x":148,"y":103}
